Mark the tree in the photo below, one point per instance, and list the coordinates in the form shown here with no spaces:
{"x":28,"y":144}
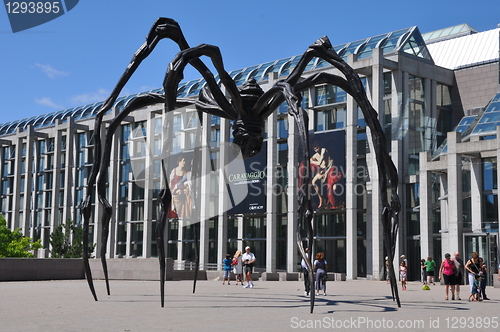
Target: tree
{"x":14,"y":243}
{"x":62,"y":244}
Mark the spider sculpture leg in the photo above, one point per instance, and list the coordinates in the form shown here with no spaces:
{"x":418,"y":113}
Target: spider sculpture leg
{"x":305,"y":207}
{"x":175,"y":74}
{"x":196,"y":170}
{"x":165,"y":199}
{"x":196,"y":253}
{"x":263,"y":107}
{"x":135,"y":103}
{"x":389,"y":218}
{"x":163,"y":28}
{"x":352,"y":85}
{"x":386,"y":169}
{"x":212,"y":101}
{"x":164,"y":196}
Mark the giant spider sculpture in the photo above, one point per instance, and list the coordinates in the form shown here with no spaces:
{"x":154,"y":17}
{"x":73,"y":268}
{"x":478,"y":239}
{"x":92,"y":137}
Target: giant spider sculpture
{"x":248,"y":107}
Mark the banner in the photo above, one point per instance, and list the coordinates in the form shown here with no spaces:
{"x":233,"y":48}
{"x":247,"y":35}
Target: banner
{"x":327,"y":151}
{"x":250,"y":179}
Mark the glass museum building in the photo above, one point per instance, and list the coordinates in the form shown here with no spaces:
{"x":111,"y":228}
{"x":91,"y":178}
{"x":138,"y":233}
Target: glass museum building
{"x":438,"y":99}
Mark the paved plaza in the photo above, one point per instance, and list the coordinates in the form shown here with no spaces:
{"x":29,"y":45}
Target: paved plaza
{"x":358,"y":305}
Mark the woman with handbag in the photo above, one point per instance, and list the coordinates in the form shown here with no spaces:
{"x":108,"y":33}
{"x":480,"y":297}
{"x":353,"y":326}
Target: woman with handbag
{"x":238,"y":267}
{"x":473,"y":268}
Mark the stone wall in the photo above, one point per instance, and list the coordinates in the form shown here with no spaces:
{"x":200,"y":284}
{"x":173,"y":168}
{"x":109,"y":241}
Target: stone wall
{"x":477,"y":85}
{"x":32,"y":269}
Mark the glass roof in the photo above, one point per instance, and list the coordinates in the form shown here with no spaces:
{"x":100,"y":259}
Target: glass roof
{"x":490,"y":119}
{"x":484,"y":124}
{"x":447,"y":33}
{"x":393,"y":40}
{"x":407,"y":40}
{"x":465,"y":123}
{"x":287,"y":68}
{"x":244,"y":74}
{"x":415,"y":45}
{"x":369,"y":45}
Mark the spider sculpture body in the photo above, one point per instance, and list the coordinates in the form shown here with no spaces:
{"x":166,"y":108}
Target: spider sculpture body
{"x":248,"y":107}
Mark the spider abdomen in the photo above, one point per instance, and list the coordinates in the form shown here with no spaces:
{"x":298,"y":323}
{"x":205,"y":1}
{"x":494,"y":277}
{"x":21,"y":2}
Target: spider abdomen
{"x":248,"y":135}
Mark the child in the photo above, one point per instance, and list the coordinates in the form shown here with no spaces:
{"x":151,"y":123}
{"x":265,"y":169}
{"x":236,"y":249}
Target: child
{"x":424,"y":272}
{"x":475,"y":289}
{"x":227,"y":269}
{"x":402,"y":274}
{"x":482,"y":284}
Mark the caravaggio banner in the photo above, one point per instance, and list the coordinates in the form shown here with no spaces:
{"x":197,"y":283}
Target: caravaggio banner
{"x":250,"y":179}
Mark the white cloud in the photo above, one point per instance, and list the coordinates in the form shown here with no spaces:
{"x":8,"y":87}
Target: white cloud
{"x":46,"y":101}
{"x":90,"y":97}
{"x":51,"y":72}
{"x":148,"y":88}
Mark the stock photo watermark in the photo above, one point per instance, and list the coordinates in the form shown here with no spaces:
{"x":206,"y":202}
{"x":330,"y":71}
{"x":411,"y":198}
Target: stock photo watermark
{"x":368,"y":323}
{"x":24,"y":15}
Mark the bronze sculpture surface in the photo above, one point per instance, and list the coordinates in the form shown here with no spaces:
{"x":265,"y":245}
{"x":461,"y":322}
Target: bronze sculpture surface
{"x":247,"y":106}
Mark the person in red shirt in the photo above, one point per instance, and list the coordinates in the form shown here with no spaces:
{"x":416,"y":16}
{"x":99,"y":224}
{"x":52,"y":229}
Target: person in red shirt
{"x":447,"y":272}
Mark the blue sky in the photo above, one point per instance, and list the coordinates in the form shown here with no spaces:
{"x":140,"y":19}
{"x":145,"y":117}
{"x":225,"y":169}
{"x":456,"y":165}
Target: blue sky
{"x":77,"y":58}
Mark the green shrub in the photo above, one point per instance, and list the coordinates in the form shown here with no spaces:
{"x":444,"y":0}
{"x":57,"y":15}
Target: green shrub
{"x":67,"y":241}
{"x":14,"y":243}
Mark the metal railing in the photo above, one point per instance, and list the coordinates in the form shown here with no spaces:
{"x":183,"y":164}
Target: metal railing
{"x":189,"y":266}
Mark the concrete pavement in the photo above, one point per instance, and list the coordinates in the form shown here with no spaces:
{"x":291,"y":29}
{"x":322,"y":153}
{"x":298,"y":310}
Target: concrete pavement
{"x":358,"y":305}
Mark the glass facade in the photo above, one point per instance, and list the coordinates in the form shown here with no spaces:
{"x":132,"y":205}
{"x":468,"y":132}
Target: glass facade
{"x":44,"y":177}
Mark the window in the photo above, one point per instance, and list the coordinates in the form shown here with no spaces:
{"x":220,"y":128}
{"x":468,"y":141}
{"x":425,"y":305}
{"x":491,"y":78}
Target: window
{"x":415,"y":118}
{"x":140,"y":129}
{"x":191,"y":120}
{"x":387,"y":119}
{"x":329,"y":94}
{"x":332,"y":118}
{"x":490,"y":174}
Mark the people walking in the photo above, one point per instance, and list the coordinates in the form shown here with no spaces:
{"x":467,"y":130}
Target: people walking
{"x":447,"y":273}
{"x":305,"y":271}
{"x":238,"y":267}
{"x":459,"y":274}
{"x":424,"y":274}
{"x":248,"y":259}
{"x":473,"y":267}
{"x":227,"y":269}
{"x":430,"y":265}
{"x":474,"y":289}
{"x":387,"y":269}
{"x":321,"y":268}
{"x":402,"y":274}
{"x":403,"y":259}
{"x":484,"y":279}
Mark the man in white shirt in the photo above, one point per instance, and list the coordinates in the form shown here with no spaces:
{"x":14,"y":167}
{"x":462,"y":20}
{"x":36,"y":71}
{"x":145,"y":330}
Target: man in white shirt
{"x":247,"y":259}
{"x":305,"y":271}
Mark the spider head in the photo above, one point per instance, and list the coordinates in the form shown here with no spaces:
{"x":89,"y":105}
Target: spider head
{"x":248,"y":131}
